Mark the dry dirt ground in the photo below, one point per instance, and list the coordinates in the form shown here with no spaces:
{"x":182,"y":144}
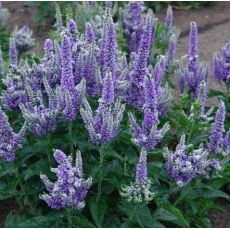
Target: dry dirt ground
{"x":214,"y":30}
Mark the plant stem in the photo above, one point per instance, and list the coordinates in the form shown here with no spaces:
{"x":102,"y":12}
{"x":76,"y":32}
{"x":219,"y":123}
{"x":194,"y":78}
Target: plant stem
{"x":70,"y":135}
{"x":191,"y":132}
{"x":133,"y":213}
{"x":101,"y":174}
{"x":68,"y":215}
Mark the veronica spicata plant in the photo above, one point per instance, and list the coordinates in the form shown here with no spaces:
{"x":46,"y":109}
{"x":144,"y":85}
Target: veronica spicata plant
{"x":102,"y":86}
{"x":192,"y":71}
{"x":70,"y":189}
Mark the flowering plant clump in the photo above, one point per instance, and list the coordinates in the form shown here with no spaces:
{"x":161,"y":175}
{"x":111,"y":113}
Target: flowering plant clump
{"x":70,"y":188}
{"x":140,"y":190}
{"x":106,"y":88}
{"x":23,"y":38}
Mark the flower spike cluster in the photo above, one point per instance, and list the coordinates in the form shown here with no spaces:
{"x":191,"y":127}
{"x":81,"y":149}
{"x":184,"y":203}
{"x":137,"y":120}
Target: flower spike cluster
{"x":147,"y":135}
{"x":221,"y":62}
{"x":104,"y":125}
{"x":70,"y":189}
{"x":4,"y":15}
{"x":10,"y":141}
{"x":42,"y":118}
{"x":139,"y":191}
{"x":218,"y":139}
{"x":184,"y":166}
{"x":135,"y":95}
{"x":133,"y":20}
{"x":23,"y":38}
{"x":13,"y":52}
{"x":169,"y":23}
{"x":192,"y":71}
{"x":171,"y":52}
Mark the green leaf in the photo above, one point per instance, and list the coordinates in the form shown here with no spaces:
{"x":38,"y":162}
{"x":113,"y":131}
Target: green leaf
{"x":98,"y":211}
{"x":216,"y":193}
{"x":177,"y":213}
{"x":145,"y":219}
{"x":36,"y":169}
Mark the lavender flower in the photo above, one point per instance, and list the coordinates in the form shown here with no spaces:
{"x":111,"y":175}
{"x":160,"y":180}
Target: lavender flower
{"x":221,"y":62}
{"x":70,"y":189}
{"x":89,"y":33}
{"x":133,"y":20}
{"x":51,"y":63}
{"x":23,"y":38}
{"x":192,"y":72}
{"x":58,"y":16}
{"x":67,"y":80}
{"x":171,"y":53}
{"x":168,"y":23}
{"x":15,"y":92}
{"x":109,"y":48}
{"x":104,"y":125}
{"x":72,"y":26}
{"x":148,"y":135}
{"x":202,"y":96}
{"x":217,"y":130}
{"x":193,"y":42}
{"x":184,"y":166}
{"x":1,"y":62}
{"x":42,"y":118}
{"x":226,"y":141}
{"x":139,"y":191}
{"x":108,"y":89}
{"x":135,"y":95}
{"x":13,"y":52}
{"x":4,"y":15}
{"x":10,"y":141}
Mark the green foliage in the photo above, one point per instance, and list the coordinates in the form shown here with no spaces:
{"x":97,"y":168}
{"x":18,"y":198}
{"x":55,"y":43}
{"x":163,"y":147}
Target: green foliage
{"x":172,"y":207}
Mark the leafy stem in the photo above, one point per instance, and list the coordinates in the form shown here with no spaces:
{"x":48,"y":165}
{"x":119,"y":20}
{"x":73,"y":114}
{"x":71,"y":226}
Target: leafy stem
{"x":69,"y":219}
{"x":101,"y":173}
{"x":70,"y":136}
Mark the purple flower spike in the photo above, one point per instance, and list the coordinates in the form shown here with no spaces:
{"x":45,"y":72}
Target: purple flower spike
{"x":140,"y":190}
{"x":10,"y":141}
{"x":171,"y":53}
{"x":70,"y":189}
{"x":110,"y":49}
{"x":137,"y":76}
{"x":221,"y":61}
{"x":133,"y":20}
{"x":227,"y":141}
{"x":217,"y":130}
{"x":67,"y":80}
{"x":108,"y":89}
{"x":72,"y":26}
{"x":104,"y":125}
{"x":184,"y":166}
{"x":193,"y":48}
{"x":89,"y":33}
{"x":13,"y":52}
{"x":141,"y":168}
{"x":168,"y":22}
